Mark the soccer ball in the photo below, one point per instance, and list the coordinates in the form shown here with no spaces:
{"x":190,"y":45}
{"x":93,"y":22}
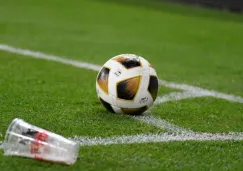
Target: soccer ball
{"x":127,"y":84}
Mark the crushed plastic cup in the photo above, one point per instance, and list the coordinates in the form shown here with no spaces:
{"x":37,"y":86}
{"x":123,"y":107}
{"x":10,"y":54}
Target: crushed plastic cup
{"x":26,"y":140}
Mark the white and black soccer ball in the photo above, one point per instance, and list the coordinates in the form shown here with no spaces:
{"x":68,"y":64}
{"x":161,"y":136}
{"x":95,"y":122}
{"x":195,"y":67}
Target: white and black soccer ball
{"x":127,"y":84}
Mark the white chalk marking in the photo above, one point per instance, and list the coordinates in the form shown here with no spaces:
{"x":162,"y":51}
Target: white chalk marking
{"x":86,"y":65}
{"x":198,"y":90}
{"x":148,"y":118}
{"x":155,"y":138}
{"x":40,"y":55}
{"x":175,"y":96}
{"x":194,"y":92}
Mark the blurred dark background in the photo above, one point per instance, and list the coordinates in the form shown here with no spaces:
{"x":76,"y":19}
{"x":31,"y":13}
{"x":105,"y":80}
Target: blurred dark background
{"x":230,"y":5}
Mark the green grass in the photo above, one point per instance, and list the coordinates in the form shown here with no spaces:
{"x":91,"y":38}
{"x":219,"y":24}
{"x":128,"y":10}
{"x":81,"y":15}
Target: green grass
{"x":203,"y":114}
{"x":185,"y":42}
{"x":166,"y":156}
{"x":186,"y":45}
{"x":45,"y":97}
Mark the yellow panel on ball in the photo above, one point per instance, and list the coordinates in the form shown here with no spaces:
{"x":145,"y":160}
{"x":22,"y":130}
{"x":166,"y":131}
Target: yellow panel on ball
{"x":102,"y":79}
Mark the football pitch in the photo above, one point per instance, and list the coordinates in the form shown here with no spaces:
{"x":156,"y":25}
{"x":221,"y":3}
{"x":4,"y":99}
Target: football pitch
{"x":50,"y":54}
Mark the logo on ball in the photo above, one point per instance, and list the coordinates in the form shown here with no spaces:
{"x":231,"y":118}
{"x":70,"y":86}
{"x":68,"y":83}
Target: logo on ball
{"x":143,"y":100}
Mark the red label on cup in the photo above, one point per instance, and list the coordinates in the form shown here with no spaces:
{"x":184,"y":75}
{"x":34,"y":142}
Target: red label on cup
{"x":35,"y":146}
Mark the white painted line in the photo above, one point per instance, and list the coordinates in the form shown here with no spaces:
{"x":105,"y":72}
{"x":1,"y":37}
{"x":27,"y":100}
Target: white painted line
{"x":184,"y":135}
{"x":228,"y":97}
{"x":181,"y":86}
{"x":175,"y":96}
{"x":148,"y":118}
{"x":40,"y":55}
{"x":155,"y":138}
{"x":86,"y":65}
{"x":196,"y":91}
{"x":199,"y":90}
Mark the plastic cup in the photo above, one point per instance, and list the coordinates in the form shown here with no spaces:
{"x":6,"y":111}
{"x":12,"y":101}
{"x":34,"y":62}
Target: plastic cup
{"x":24,"y":139}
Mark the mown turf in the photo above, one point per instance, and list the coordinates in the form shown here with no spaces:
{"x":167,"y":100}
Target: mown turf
{"x":203,"y":114}
{"x":184,"y":44}
{"x":189,"y":48}
{"x":165,"y":156}
{"x":62,"y":100}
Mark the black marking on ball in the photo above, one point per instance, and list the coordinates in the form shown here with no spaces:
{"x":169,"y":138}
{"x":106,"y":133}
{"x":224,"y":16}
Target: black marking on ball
{"x":107,"y":105}
{"x":131,"y":63}
{"x":153,"y":86}
{"x":128,"y":62}
{"x":127,"y":89}
{"x":134,"y":111}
